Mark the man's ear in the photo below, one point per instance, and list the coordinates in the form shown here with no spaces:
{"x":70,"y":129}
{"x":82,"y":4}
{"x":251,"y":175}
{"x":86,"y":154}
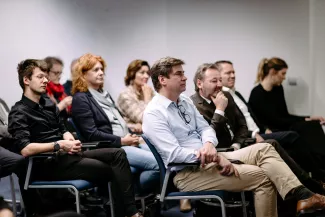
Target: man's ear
{"x":26,"y":80}
{"x":162,"y":80}
{"x":199,"y":83}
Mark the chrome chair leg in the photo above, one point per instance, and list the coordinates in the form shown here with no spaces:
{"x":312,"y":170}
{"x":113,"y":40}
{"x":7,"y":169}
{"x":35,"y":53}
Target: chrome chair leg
{"x":243,"y":201}
{"x":111,"y":199}
{"x":13,"y":195}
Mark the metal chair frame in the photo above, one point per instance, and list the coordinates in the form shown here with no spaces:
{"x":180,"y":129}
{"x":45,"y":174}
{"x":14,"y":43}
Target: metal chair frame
{"x":165,"y":176}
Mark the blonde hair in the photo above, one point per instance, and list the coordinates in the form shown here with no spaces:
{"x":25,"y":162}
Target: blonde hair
{"x":266,"y":64}
{"x":84,"y":64}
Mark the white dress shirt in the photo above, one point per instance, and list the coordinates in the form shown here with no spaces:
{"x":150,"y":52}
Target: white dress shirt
{"x":174,"y":139}
{"x":251,"y":125}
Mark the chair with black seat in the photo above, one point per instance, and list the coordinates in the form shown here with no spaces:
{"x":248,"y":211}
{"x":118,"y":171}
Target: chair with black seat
{"x":75,"y":185}
{"x":170,"y":192}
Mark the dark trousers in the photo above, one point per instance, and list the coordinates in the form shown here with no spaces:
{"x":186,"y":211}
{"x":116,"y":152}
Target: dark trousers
{"x":313,"y":135}
{"x":9,"y":162}
{"x":97,"y":166}
{"x":299,"y":151}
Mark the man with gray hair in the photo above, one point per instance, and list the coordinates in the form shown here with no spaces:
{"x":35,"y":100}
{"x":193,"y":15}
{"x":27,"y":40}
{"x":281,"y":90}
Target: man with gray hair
{"x":220,"y":110}
{"x":181,"y":135}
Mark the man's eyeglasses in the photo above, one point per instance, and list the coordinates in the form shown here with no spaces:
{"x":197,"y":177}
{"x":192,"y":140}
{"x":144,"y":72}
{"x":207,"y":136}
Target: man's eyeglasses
{"x":182,"y":113}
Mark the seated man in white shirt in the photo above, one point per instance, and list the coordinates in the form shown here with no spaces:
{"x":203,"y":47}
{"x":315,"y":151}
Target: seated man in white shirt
{"x":180,"y":134}
{"x":296,"y":146}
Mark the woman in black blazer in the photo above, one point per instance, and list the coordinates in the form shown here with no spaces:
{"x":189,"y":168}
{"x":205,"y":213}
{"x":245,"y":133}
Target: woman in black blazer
{"x":98,"y":119}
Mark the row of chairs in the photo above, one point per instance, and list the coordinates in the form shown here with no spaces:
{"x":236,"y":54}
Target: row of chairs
{"x":167,"y":191}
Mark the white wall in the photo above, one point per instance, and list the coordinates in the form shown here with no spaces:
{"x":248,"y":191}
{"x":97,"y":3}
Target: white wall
{"x":317,"y":35}
{"x":196,"y":31}
{"x":36,"y":29}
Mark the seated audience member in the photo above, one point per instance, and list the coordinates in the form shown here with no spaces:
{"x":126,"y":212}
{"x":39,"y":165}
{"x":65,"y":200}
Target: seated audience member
{"x":9,"y":161}
{"x":68,"y":84}
{"x":220,"y":111}
{"x":290,"y":140}
{"x":180,"y":134}
{"x":134,"y":99}
{"x":5,"y":209}
{"x":54,"y":89}
{"x":268,"y":104}
{"x":98,"y":119}
{"x":36,"y":128}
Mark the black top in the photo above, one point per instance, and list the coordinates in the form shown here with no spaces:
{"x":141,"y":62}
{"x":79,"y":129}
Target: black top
{"x":91,"y":120}
{"x":67,"y":87}
{"x":271,"y":109}
{"x":257,"y":122}
{"x":31,"y":122}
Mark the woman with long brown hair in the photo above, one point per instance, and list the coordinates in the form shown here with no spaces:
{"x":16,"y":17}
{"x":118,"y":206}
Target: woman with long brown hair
{"x":134,"y":98}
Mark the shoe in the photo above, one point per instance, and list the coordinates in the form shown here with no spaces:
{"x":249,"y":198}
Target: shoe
{"x":91,"y":200}
{"x":185,"y":205}
{"x":312,"y":204}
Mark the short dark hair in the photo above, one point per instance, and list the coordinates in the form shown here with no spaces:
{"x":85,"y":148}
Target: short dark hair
{"x":26,"y":67}
{"x":53,"y":60}
{"x":200,"y":73}
{"x":132,"y":69}
{"x":163,"y":67}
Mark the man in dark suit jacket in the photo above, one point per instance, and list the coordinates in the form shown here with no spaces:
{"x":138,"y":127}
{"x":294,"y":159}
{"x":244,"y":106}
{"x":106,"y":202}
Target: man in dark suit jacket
{"x":220,"y":110}
{"x":228,"y":122}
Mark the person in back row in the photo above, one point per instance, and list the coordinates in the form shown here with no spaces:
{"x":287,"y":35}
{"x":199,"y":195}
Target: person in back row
{"x":133,"y":100}
{"x":36,"y":128}
{"x":180,"y":134}
{"x":98,"y":119}
{"x":230,"y":125}
{"x":289,"y":140}
{"x":68,"y":84}
{"x":54,"y":89}
{"x":268,"y":103}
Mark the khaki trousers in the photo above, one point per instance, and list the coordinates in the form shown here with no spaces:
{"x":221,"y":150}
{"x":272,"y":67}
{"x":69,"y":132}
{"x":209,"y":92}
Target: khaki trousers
{"x":264,"y":172}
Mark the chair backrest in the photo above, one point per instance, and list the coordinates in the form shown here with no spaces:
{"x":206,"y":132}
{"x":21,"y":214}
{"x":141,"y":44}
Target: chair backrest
{"x":80,"y":137}
{"x":158,"y":159}
{"x":4,"y":112}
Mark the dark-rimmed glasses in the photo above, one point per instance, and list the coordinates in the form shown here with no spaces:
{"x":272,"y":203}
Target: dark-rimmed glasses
{"x":182,"y":113}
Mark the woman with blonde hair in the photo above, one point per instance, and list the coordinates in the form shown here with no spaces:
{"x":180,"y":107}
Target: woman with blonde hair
{"x":268,"y":103}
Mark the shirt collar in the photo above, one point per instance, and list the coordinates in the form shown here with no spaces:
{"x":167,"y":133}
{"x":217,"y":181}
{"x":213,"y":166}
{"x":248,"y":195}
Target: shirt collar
{"x":228,"y":89}
{"x":31,"y":103}
{"x":166,"y":102}
{"x":207,"y":100}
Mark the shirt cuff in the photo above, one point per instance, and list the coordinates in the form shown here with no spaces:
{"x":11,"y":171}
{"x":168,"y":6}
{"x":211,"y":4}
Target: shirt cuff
{"x":222,"y":113}
{"x":236,"y":146}
{"x":254,"y":133}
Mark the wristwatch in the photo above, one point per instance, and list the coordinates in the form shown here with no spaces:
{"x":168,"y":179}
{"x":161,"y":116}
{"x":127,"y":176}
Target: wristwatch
{"x":56,"y":147}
